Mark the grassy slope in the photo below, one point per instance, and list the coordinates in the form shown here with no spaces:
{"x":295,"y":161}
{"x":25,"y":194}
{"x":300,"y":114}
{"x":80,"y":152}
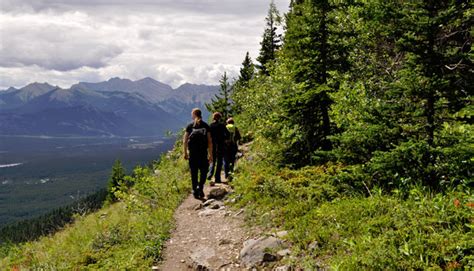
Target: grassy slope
{"x":125,"y":235}
{"x":332,"y":225}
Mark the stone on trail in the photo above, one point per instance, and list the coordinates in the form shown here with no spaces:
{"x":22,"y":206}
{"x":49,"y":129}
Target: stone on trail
{"x":200,"y":257}
{"x":283,"y":268}
{"x":218,"y":192}
{"x":216,"y":205}
{"x":207,"y":212}
{"x":208,"y":202}
{"x":256,"y":251}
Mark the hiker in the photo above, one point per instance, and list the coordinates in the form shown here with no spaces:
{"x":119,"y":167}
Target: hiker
{"x":197,"y":139}
{"x":219,"y":134}
{"x":231,"y":148}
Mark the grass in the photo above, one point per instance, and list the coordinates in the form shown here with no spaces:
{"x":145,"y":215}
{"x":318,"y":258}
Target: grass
{"x":128,"y":235}
{"x":333,"y":225}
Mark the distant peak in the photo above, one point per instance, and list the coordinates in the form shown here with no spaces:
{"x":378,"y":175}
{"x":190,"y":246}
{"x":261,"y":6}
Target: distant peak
{"x":40,"y":84}
{"x":116,"y":79}
{"x":148,"y":79}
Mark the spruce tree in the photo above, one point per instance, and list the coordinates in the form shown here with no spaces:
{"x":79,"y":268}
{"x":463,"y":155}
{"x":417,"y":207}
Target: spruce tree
{"x":116,"y":180}
{"x":247,"y":72}
{"x":222,"y":101}
{"x":271,"y":39}
{"x":314,"y":47}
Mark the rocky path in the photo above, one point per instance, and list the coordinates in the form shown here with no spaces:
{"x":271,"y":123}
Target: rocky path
{"x":208,"y":235}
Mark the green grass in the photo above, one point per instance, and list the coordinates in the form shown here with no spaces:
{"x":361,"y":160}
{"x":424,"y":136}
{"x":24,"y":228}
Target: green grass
{"x":333,"y":225}
{"x":128,"y":235}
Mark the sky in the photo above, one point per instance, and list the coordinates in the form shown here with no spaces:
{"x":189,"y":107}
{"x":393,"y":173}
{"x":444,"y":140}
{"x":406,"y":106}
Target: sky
{"x":173,"y":41}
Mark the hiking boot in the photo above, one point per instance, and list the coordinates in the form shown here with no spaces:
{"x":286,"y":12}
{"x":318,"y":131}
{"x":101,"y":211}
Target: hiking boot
{"x":201,"y":194}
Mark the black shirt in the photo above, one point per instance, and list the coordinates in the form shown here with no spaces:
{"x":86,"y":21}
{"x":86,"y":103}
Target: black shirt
{"x":219,"y":133}
{"x":201,"y":149}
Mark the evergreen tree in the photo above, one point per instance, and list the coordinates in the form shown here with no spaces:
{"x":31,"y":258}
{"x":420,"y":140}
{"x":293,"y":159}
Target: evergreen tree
{"x":408,"y":105}
{"x":315,"y":46}
{"x":247,"y":72}
{"x":271,"y":39}
{"x":116,"y":180}
{"x":222,"y":102}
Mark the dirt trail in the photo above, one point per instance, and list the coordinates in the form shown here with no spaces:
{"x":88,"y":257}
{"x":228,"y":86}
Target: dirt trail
{"x":206,"y":237}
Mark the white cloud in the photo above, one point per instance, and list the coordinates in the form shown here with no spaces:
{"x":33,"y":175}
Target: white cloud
{"x":179,"y":41}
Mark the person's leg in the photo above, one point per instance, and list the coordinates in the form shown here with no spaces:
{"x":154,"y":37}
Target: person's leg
{"x":226,"y":164}
{"x":220,"y":158}
{"x":202,"y":176}
{"x":194,"y":175}
{"x":213,"y":164}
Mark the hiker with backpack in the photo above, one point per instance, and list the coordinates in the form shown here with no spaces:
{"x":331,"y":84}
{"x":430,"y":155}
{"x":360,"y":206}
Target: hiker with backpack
{"x":231,"y":148}
{"x":197,"y":139}
{"x":219,"y":134}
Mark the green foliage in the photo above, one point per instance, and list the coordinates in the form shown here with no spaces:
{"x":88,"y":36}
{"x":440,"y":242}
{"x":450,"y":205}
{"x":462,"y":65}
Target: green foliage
{"x":222,"y":101}
{"x":126,"y":235}
{"x":332,"y":225}
{"x":117,"y":179}
{"x":271,"y":41}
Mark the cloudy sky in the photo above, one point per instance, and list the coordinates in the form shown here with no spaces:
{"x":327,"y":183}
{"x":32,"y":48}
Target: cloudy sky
{"x":174,"y":41}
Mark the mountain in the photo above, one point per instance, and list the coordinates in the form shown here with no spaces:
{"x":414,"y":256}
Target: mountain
{"x":117,"y":107}
{"x":148,"y":88}
{"x":12,"y":97}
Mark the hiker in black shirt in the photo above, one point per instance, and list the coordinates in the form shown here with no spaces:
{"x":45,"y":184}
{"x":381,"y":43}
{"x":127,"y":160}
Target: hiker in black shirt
{"x":197,"y":139}
{"x":219,"y":133}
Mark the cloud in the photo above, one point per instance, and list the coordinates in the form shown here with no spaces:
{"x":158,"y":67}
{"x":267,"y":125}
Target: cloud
{"x":60,"y":42}
{"x":179,"y":41}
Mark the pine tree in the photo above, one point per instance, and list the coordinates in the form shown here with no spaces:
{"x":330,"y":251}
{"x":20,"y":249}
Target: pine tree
{"x":314,"y":46}
{"x":271,"y":39}
{"x":116,"y":179}
{"x":222,"y":102}
{"x":405,"y":110}
{"x":247,"y":72}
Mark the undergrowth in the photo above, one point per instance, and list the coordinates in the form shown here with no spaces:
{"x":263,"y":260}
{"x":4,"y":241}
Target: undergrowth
{"x":338,"y":225}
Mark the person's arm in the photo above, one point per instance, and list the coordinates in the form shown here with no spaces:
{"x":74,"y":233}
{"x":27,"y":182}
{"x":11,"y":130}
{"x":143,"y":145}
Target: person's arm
{"x":209,"y":146}
{"x":185,"y":145}
{"x":237,"y":136}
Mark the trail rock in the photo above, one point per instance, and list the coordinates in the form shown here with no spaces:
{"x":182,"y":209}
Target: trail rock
{"x":281,"y":234}
{"x":198,"y":206}
{"x":218,"y":192}
{"x":216,"y":205}
{"x":282,"y":268}
{"x":255,"y":251}
{"x":284,"y":252}
{"x":208,"y":202}
{"x":200,"y":257}
{"x":207,"y":212}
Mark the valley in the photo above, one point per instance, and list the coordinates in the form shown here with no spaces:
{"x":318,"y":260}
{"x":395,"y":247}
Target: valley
{"x":38,"y":174}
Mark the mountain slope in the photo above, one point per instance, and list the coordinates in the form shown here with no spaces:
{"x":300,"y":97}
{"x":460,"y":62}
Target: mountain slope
{"x":117,"y":107}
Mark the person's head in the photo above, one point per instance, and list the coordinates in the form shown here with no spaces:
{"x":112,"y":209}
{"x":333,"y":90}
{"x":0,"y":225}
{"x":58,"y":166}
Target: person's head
{"x":196,"y":114}
{"x":230,"y":121}
{"x":217,"y":116}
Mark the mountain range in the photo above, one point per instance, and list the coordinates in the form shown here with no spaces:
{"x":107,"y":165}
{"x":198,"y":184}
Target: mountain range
{"x":117,"y":107}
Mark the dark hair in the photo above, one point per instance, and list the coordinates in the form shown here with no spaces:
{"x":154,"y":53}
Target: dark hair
{"x":230,"y":121}
{"x":217,"y":116}
{"x":198,"y":114}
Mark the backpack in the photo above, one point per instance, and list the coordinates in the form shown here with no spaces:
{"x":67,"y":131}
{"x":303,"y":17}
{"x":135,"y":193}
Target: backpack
{"x":232,"y":133}
{"x":198,"y":140}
